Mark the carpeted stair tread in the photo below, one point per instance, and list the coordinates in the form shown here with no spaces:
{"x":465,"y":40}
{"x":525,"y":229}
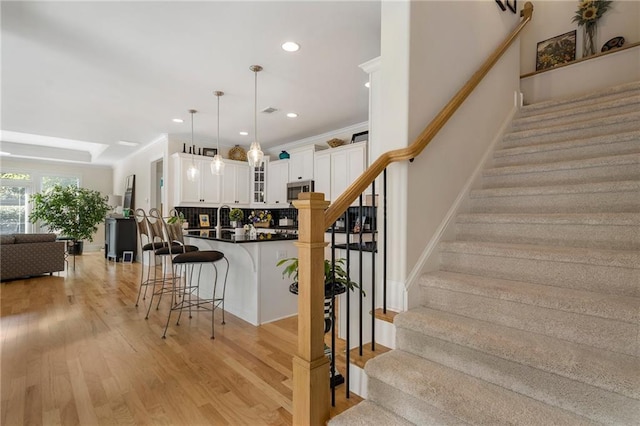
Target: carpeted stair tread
{"x":586,"y":400}
{"x":564,"y":299}
{"x":606,"y":107}
{"x":618,"y":231}
{"x":572,"y":149}
{"x":367,"y":413}
{"x":601,"y":257}
{"x":602,"y":333}
{"x":613,"y":161}
{"x":619,"y":219}
{"x":599,"y":126}
{"x":467,"y":398}
{"x":607,"y":370}
{"x":588,"y":98}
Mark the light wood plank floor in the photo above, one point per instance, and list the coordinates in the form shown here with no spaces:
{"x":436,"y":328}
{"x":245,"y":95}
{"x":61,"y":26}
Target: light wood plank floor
{"x":75,"y":350}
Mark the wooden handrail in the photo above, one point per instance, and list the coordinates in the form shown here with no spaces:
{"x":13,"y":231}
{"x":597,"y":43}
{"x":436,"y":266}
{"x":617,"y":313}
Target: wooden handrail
{"x":343,"y":202}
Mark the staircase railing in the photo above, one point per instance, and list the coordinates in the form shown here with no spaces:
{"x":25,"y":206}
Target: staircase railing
{"x":310,"y":366}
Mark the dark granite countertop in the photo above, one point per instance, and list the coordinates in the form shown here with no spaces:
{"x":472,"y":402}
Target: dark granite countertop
{"x":230,"y":237}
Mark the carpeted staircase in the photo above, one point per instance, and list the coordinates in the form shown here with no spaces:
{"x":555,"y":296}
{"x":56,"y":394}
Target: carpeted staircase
{"x":534,"y":315}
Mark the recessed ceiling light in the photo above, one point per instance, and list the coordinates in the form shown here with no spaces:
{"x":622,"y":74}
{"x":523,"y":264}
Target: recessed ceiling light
{"x":126,"y":143}
{"x":4,"y":153}
{"x":178,"y":120}
{"x":367,"y":85}
{"x":292,"y":115}
{"x":244,"y":133}
{"x":290,"y":46}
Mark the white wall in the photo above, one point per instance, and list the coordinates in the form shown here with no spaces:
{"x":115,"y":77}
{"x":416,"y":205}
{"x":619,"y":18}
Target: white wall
{"x":475,"y":29}
{"x":619,"y":67}
{"x":553,"y":17}
{"x":98,"y":178}
{"x":142,"y":165}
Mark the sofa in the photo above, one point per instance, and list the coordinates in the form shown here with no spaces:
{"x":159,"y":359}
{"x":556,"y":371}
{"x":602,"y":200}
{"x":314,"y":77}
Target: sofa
{"x":25,"y":255}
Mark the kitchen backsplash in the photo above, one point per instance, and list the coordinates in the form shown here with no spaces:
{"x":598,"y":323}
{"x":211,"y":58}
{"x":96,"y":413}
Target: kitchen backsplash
{"x":192,"y":215}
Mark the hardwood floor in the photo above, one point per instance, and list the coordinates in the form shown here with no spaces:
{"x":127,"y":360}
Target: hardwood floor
{"x":75,"y":350}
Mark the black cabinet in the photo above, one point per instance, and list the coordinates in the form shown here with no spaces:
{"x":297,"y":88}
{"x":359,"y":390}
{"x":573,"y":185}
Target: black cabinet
{"x":120,"y":236}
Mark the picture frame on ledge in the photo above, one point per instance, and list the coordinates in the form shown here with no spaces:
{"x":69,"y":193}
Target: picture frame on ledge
{"x":209,"y":152}
{"x":556,"y":51}
{"x":360,"y":137}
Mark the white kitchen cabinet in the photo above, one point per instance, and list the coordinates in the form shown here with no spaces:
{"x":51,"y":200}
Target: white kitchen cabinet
{"x":301,"y":163}
{"x":277,"y":179}
{"x":322,"y":176}
{"x":347,"y":165}
{"x":259,"y":182}
{"x":206,"y":188}
{"x":236,"y":183}
{"x":337,"y":168}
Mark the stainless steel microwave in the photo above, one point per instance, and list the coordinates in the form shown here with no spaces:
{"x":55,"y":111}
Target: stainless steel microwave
{"x":295,"y":188}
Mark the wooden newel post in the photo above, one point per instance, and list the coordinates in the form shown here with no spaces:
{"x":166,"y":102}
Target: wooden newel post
{"x":310,"y":365}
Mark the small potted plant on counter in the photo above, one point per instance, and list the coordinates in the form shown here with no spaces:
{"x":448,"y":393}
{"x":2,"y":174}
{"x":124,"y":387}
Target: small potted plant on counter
{"x":235,"y":216}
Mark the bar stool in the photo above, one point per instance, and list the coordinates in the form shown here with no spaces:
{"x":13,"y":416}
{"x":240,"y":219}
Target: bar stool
{"x":187,"y":263}
{"x":148,"y":246}
{"x":171,"y":243}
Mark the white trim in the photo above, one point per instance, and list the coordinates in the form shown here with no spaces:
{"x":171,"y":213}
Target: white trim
{"x":358,"y":381}
{"x":426,"y":262}
{"x":371,"y":65}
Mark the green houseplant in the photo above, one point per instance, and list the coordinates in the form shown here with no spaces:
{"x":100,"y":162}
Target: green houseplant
{"x":236,"y":215}
{"x":75,"y":212}
{"x":341,"y":283}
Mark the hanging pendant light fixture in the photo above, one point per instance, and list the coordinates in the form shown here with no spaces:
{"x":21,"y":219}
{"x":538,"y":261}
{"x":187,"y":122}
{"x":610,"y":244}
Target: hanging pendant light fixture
{"x":192,"y":172}
{"x":255,"y":154}
{"x":217,"y":165}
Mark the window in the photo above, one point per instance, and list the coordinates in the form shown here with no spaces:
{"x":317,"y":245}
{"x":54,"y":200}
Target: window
{"x":15,"y":189}
{"x":14,"y":196}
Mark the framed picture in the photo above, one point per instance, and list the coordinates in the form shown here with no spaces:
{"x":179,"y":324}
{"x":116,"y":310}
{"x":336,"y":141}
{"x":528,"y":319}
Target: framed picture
{"x":360,"y":137}
{"x":556,"y":50}
{"x":127,"y":256}
{"x":129,"y":193}
{"x":204,"y":220}
{"x":209,"y":152}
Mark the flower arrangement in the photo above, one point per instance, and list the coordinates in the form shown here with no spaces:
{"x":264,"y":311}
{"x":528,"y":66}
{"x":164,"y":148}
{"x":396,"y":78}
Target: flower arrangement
{"x":260,"y":217}
{"x":587,"y":16}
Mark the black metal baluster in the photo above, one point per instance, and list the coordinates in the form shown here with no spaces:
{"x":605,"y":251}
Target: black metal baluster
{"x":347,"y":224}
{"x":360,"y":319}
{"x":373,"y":265}
{"x":332,"y":316}
{"x":384,"y":242}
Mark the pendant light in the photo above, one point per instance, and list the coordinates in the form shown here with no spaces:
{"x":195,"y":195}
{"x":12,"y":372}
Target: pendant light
{"x":255,"y":154}
{"x":192,"y":172}
{"x":217,"y":165}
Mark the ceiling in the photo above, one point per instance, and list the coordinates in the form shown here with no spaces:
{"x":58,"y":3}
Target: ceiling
{"x":77,"y":77}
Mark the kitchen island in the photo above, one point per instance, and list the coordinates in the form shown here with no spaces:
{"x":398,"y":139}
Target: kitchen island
{"x":256,"y":291}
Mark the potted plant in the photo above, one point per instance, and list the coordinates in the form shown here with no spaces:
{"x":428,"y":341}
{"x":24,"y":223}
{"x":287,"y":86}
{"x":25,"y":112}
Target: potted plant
{"x":179,"y":218}
{"x":235,"y":216}
{"x":340,"y":284}
{"x":74,"y":212}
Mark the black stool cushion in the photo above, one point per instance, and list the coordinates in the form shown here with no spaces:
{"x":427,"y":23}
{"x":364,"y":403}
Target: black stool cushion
{"x":202,"y":256}
{"x":176,"y":248}
{"x":154,"y":246}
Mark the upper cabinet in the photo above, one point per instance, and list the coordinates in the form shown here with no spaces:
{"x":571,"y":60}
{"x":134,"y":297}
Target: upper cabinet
{"x":204,"y":190}
{"x":233,"y":187}
{"x":278,"y":177}
{"x":259,"y":182}
{"x":337,"y":168}
{"x":236,"y":183}
{"x":301,"y":163}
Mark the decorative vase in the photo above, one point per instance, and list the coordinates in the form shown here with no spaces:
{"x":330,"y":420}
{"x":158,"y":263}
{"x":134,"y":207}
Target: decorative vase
{"x":283,"y":155}
{"x":589,"y":39}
